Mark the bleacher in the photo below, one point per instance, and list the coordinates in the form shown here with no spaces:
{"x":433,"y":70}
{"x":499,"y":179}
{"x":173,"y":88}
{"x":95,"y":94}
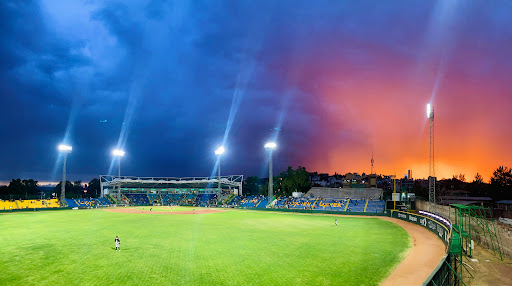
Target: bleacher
{"x":235,"y":201}
{"x":171,"y":199}
{"x":103,"y":202}
{"x":375,"y":206}
{"x":71,"y":203}
{"x":189,"y":199}
{"x":252,"y":201}
{"x":28,"y":204}
{"x":329,"y":204}
{"x":281,"y":202}
{"x":7,"y":205}
{"x":154,"y":198}
{"x":262,"y":203}
{"x":300,"y":203}
{"x":356,"y":205}
{"x":205,"y":199}
{"x":223,"y":197}
{"x":87,"y":203}
{"x":111,"y":199}
{"x":138,"y":199}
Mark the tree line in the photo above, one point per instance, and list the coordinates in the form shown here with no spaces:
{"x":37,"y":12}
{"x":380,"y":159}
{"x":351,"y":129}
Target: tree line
{"x":287,"y":182}
{"x":30,"y":189}
{"x":499,"y":186}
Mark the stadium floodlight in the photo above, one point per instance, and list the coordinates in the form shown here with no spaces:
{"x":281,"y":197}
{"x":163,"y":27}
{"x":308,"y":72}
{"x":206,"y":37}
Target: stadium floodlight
{"x":431,"y":172}
{"x":64,"y":149}
{"x":271,"y":145}
{"x":118,"y":153}
{"x":220,"y":150}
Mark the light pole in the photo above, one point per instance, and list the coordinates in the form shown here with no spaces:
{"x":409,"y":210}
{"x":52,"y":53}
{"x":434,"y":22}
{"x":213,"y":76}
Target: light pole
{"x":64,"y":149}
{"x":118,"y":153}
{"x":271,"y":146}
{"x":219,"y":152}
{"x":431,"y":171}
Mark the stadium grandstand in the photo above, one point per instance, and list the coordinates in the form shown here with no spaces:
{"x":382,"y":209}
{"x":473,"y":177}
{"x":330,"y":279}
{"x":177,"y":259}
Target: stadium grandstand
{"x":195,"y":191}
{"x":336,"y":199}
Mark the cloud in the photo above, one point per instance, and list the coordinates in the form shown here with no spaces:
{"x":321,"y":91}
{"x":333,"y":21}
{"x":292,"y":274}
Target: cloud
{"x":337,"y":80}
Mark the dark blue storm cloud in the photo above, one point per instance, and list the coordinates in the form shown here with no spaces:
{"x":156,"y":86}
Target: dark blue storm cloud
{"x":156,"y":78}
{"x":169,"y":81}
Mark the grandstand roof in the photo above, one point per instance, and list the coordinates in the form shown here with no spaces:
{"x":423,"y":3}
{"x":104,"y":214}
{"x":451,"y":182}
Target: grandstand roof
{"x":170,"y":182}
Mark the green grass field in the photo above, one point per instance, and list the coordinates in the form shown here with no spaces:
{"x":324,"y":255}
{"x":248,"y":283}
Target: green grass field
{"x":76,"y":247}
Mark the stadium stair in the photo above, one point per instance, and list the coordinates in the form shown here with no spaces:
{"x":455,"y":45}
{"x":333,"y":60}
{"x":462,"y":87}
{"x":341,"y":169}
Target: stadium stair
{"x":270,"y":202}
{"x":314,"y":203}
{"x":229,"y":199}
{"x":366,"y":205}
{"x":346,"y":206}
{"x":111,"y":199}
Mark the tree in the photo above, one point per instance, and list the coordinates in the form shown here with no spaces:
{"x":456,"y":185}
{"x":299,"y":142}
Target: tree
{"x":93,"y":188}
{"x":419,"y":190}
{"x":501,"y":183}
{"x":478,"y":187}
{"x":69,"y":188}
{"x":22,"y":188}
{"x":294,"y":181}
{"x":478,"y":179}
{"x":251,"y":186}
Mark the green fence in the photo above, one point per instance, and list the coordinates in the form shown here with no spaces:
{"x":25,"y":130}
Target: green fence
{"x":32,"y":210}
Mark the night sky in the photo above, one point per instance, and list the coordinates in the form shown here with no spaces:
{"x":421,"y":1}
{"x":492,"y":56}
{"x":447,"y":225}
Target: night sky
{"x":331,"y":81}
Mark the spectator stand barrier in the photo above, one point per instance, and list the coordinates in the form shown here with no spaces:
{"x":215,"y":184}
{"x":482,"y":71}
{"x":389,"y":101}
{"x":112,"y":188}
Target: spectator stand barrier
{"x":444,"y":274}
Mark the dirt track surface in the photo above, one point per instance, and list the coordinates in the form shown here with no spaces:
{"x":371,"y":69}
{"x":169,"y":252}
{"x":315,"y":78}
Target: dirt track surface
{"x":426,"y":252}
{"x":136,"y":211}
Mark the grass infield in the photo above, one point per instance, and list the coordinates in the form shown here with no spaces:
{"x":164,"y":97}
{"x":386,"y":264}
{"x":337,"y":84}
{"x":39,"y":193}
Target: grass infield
{"x":76,"y":247}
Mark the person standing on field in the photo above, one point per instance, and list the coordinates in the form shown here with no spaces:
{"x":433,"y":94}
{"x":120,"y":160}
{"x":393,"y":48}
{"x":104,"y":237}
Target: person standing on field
{"x":117,"y":241}
{"x":336,"y":221}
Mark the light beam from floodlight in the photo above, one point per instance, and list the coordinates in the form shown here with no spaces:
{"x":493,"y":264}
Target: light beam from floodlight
{"x":65,"y":149}
{"x":119,"y":154}
{"x":270,"y":146}
{"x":219,"y":152}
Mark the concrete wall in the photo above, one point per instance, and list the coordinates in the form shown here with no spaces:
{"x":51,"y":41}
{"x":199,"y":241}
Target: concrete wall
{"x":504,"y":231}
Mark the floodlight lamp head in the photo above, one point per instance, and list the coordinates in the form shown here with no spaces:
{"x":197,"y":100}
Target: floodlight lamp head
{"x":271,"y":145}
{"x":118,"y":152}
{"x":430,"y":111}
{"x":220,"y":150}
{"x":65,"y":148}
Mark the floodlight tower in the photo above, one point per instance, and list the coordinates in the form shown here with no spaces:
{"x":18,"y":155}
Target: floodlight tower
{"x":118,"y":153}
{"x":431,"y":171}
{"x":271,"y":146}
{"x":64,"y":149}
{"x":219,"y":152}
{"x":372,"y":161}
